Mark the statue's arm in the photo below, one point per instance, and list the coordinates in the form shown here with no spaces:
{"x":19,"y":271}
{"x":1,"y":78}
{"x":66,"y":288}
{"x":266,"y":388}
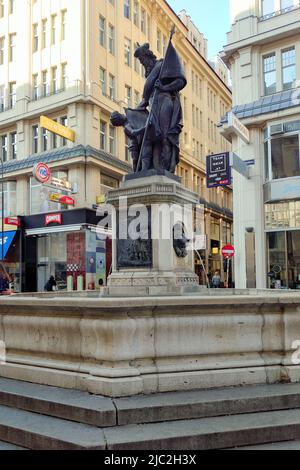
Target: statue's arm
{"x":176,"y":85}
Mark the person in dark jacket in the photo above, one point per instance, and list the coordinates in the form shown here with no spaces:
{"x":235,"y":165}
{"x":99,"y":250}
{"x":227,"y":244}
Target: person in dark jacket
{"x":4,"y":281}
{"x":50,"y":284}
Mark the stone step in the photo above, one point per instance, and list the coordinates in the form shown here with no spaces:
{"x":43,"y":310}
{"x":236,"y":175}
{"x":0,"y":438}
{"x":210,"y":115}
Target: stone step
{"x":207,"y":433}
{"x":206,"y":403}
{"x":286,"y":445}
{"x":100,"y":411}
{"x":39,"y":432}
{"x":7,"y":446}
{"x":72,"y":405}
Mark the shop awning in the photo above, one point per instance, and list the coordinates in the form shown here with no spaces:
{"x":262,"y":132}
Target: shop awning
{"x":6,"y":239}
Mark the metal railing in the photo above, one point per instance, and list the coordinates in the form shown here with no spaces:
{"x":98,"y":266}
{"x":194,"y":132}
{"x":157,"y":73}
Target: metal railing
{"x":279,"y":12}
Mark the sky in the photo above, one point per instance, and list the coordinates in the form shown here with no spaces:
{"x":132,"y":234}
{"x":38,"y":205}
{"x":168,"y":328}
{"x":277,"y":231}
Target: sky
{"x":210,"y":16}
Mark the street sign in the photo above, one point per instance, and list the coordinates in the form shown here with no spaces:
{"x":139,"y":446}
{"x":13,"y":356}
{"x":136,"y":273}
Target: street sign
{"x":57,"y":128}
{"x":218,"y":171}
{"x":42,"y":172}
{"x":238,"y":127}
{"x":228,"y":251}
{"x":239,"y":165}
{"x":60,"y":184}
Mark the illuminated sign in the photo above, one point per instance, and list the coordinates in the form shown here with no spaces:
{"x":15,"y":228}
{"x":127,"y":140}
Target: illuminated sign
{"x":53,"y":219}
{"x":218,"y":171}
{"x":12,"y":221}
{"x":42,"y":172}
{"x":61,"y":199}
{"x":57,"y":128}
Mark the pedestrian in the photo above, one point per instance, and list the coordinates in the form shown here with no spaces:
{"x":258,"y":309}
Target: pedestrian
{"x":4,"y":281}
{"x":50,"y":285}
{"x":216,"y":280}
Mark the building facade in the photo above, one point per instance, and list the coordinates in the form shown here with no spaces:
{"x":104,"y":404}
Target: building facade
{"x":263,"y":53}
{"x":73,"y":62}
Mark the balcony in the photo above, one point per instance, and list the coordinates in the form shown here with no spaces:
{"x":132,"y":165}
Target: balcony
{"x":279,"y":12}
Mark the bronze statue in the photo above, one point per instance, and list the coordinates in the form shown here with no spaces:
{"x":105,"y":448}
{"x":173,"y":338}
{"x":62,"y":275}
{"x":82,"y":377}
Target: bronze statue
{"x":154,"y":134}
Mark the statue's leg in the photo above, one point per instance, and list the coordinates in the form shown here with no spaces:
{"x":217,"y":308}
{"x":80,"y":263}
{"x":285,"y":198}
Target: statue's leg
{"x":157,"y":163}
{"x":166,"y":154}
{"x":147,"y":156}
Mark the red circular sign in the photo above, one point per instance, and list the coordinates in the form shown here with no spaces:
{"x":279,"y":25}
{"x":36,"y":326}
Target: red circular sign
{"x":42,"y":172}
{"x":228,"y":251}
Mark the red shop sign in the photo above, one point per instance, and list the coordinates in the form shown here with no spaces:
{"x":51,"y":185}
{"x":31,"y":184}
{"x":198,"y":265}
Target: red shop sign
{"x":53,"y":219}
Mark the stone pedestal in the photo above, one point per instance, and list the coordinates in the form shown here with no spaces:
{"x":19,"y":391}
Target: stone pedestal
{"x":149,"y":265}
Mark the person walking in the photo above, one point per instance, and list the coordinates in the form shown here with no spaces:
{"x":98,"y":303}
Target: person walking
{"x":50,"y":284}
{"x":216,"y":280}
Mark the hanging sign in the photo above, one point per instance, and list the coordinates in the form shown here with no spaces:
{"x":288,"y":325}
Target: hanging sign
{"x":61,"y":199}
{"x":42,"y":172}
{"x":218,"y":171}
{"x":57,"y":128}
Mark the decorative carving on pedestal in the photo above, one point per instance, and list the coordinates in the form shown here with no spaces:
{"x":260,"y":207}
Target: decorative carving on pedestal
{"x":134,"y":253}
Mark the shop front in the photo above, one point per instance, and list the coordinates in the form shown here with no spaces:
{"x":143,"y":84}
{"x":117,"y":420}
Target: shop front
{"x":67,"y":245}
{"x":283,"y":244}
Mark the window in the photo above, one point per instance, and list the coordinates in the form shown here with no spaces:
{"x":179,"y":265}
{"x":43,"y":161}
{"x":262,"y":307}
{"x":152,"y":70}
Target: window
{"x":103,"y":128}
{"x":128,"y":96}
{"x":2,"y":43}
{"x":13,"y":145}
{"x":127,"y":9}
{"x":11,"y":6}
{"x":112,"y":87}
{"x":269,"y":62}
{"x":63,"y":24}
{"x":2,"y":98}
{"x":102,"y":31}
{"x":12,"y":47}
{"x":54,"y":87}
{"x":53,"y":28}
{"x":136,"y":16}
{"x":10,"y":200}
{"x":159,"y":43}
{"x":285,"y":157}
{"x":127,"y":52}
{"x":4,"y":147}
{"x":45,"y":83}
{"x":164,"y":45}
{"x":12,"y":94}
{"x":127,"y":153}
{"x":64,"y":79}
{"x":35,"y":86}
{"x":143,"y":21}
{"x":288,"y":68}
{"x":35,"y":38}
{"x":136,"y":98}
{"x":44,"y":33}
{"x":35,"y":139}
{"x":103,"y":81}
{"x":111,"y":39}
{"x":54,"y":138}
{"x":112,"y":140}
{"x":268,"y":7}
{"x":45,"y":139}
{"x":286,"y":5}
{"x":64,"y":122}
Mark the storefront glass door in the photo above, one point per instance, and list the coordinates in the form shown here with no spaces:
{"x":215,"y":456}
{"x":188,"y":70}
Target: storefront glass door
{"x":52,"y":260}
{"x":284,"y":259}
